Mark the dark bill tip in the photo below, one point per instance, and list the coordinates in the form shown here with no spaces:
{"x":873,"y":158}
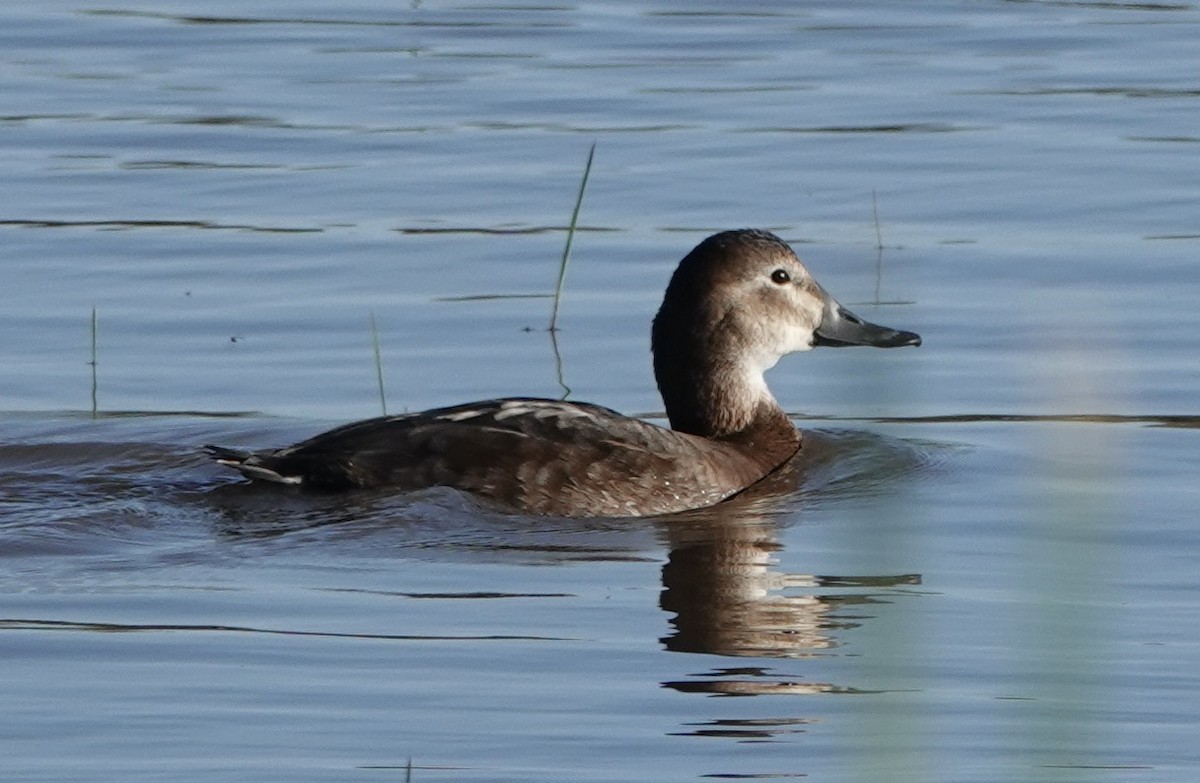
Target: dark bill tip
{"x":899,"y":339}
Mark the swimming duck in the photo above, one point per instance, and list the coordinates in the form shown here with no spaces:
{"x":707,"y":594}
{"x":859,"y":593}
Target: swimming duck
{"x":736,"y":303}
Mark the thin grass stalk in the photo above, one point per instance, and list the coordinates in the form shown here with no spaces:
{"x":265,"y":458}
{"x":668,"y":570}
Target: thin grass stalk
{"x":378,"y":364}
{"x":875,"y":215}
{"x":94,"y":364}
{"x":566,"y":256}
{"x":878,"y":246}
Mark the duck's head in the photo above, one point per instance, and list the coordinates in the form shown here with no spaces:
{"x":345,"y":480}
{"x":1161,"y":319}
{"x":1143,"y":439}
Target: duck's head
{"x":737,"y":303}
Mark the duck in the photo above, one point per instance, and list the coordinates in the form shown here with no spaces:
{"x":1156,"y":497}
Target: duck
{"x":736,"y":304}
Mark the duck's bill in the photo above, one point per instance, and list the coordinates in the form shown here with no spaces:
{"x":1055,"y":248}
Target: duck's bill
{"x":840,"y":328}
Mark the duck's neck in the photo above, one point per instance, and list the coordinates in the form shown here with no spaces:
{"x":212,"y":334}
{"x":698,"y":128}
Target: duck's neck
{"x":724,"y":400}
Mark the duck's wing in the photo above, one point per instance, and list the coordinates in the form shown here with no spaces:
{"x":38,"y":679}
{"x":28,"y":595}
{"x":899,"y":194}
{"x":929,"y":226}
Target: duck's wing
{"x":542,"y":456}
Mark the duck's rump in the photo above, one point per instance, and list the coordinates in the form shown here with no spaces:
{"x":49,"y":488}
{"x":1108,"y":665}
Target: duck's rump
{"x":533,"y":455}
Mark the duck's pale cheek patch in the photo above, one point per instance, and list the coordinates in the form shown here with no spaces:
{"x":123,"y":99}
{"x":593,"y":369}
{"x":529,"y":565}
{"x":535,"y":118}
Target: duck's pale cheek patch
{"x":796,"y":338}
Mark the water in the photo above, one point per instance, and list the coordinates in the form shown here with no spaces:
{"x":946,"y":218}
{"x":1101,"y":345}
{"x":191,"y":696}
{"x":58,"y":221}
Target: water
{"x":988,"y":575}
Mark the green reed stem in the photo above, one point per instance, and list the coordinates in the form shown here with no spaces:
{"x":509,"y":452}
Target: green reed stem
{"x":378,"y":363}
{"x":875,"y":215}
{"x":566,"y":256}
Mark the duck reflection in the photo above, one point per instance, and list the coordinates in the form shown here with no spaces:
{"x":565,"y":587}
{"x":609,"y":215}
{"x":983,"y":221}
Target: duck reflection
{"x":728,"y":597}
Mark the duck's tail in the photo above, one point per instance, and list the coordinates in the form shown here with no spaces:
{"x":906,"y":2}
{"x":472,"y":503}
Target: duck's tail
{"x":248,"y":464}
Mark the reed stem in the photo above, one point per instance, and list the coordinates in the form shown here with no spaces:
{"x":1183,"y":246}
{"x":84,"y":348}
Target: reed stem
{"x":566,"y":256}
{"x":378,"y":364}
{"x":93,"y":363}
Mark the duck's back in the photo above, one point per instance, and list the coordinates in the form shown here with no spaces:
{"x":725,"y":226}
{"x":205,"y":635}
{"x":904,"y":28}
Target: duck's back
{"x":533,"y":455}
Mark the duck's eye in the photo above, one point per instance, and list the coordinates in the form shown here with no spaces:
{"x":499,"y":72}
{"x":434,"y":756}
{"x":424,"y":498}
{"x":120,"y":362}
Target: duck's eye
{"x":781,"y":276}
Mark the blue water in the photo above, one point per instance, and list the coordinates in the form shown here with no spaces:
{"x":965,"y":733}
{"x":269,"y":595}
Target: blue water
{"x":990,"y":573}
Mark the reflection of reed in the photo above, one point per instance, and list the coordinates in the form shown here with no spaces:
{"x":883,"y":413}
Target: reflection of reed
{"x":558,"y":365}
{"x":1076,"y":478}
{"x":879,"y":248}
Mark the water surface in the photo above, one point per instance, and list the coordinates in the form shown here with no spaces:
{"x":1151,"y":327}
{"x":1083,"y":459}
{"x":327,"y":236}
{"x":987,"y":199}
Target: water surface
{"x":988,"y":572}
